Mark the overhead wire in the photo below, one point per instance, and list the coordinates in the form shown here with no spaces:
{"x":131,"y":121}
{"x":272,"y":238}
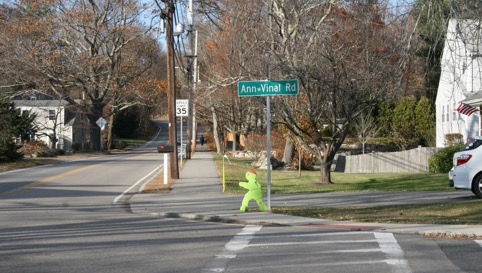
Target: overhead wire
{"x":180,"y":45}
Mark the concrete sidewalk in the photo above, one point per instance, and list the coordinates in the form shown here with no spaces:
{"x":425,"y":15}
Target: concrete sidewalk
{"x":198,"y":195}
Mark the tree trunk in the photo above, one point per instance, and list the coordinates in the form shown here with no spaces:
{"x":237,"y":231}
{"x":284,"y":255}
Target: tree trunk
{"x":299,"y":162}
{"x":193,"y":129}
{"x":326,"y":162}
{"x":188,"y":135}
{"x":235,"y":144}
{"x":109,"y":132}
{"x":215,"y":131}
{"x":94,"y":138}
{"x":94,"y":132}
{"x":325,"y":173}
{"x":53,"y":140}
{"x":288,"y":151}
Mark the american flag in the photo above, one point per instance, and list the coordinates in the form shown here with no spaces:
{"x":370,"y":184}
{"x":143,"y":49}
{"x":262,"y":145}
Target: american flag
{"x":466,"y":109}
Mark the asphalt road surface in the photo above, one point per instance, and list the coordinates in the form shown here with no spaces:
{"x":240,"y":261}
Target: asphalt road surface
{"x":72,"y":217}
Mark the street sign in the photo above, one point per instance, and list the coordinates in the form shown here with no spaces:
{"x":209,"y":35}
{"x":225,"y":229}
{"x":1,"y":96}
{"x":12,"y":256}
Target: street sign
{"x":268,"y":88}
{"x":182,"y":107}
{"x":101,"y":122}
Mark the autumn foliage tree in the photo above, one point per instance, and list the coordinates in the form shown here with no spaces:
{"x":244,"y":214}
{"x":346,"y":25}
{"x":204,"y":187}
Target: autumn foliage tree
{"x":231,"y":54}
{"x":347,"y":60}
{"x":346,"y":56}
{"x":89,"y":53}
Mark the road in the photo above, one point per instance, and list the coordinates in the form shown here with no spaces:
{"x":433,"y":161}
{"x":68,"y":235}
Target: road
{"x":71,"y":217}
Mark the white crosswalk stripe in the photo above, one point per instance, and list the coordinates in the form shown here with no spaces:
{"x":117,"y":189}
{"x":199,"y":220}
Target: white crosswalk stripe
{"x":250,"y":251}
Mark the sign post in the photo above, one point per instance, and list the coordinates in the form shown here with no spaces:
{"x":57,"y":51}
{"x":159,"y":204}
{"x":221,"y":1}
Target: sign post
{"x":182,"y":110}
{"x":268,"y":88}
{"x":101,"y":122}
{"x":165,"y":149}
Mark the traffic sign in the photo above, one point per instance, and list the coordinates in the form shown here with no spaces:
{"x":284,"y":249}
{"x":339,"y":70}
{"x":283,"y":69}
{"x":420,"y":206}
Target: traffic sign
{"x":268,"y":88}
{"x":101,"y":122}
{"x":182,"y":107}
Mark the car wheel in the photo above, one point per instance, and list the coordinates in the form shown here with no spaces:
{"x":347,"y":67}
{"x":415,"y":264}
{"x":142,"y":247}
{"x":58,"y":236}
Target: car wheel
{"x":477,"y":186}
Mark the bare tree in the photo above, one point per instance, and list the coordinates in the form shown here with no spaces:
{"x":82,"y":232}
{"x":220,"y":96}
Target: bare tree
{"x":345,"y":57}
{"x":231,"y":54}
{"x":365,"y":128}
{"x":345,"y":54}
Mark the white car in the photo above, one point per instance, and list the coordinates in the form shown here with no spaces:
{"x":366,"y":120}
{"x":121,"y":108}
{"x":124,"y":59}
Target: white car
{"x":467,"y":170}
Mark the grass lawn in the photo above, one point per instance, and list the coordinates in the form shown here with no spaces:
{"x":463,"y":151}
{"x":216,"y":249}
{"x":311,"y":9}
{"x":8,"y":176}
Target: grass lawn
{"x":453,"y":213}
{"x":307,"y":182}
{"x":283,"y":182}
{"x":134,"y":142}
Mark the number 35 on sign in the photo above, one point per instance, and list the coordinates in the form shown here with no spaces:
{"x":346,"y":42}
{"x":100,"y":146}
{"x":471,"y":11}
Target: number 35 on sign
{"x":182,"y":108}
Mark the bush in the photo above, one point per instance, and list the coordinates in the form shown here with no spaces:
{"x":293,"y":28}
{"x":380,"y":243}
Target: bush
{"x":209,"y":140}
{"x":76,"y":146}
{"x":119,"y":145}
{"x":453,"y":139}
{"x":442,"y":161}
{"x":8,"y":151}
{"x":255,"y":143}
{"x":307,"y":161}
{"x":34,"y":148}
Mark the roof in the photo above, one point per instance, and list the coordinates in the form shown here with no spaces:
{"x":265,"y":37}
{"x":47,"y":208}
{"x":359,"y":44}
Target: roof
{"x":474,"y":99}
{"x":32,"y":94}
{"x":40,"y":103}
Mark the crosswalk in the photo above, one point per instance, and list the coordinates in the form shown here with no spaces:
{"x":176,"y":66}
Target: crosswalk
{"x":479,"y":242}
{"x":310,"y":251}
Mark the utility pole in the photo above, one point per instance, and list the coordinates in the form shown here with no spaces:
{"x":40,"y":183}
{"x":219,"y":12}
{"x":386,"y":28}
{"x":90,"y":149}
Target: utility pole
{"x":171,"y":86}
{"x":192,"y":136}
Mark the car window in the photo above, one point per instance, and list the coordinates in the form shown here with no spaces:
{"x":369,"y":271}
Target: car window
{"x":471,"y":145}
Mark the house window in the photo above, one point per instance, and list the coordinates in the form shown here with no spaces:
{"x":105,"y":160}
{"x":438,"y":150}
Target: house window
{"x":448,"y":113}
{"x":443,"y":113}
{"x":51,"y":114}
{"x":454,"y":113}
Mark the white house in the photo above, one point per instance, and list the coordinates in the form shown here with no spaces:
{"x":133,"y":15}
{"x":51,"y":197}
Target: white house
{"x":460,"y":81}
{"x":55,"y":118}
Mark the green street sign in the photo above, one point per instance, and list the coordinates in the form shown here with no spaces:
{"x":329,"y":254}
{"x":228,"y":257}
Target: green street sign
{"x":267,"y":88}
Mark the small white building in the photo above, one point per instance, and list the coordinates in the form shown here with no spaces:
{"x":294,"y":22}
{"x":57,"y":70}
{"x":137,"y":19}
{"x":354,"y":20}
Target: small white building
{"x":460,"y":81}
{"x":54,"y":117}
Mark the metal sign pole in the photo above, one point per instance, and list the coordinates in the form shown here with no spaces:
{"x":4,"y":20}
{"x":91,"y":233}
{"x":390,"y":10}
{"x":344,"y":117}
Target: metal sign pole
{"x":180,"y":154}
{"x":268,"y":133}
{"x":268,"y":149}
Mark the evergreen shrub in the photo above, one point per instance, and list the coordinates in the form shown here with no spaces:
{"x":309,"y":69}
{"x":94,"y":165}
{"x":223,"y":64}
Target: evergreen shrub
{"x":442,"y":161}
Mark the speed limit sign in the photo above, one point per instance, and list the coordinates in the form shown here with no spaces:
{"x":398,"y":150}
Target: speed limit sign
{"x":182,"y":108}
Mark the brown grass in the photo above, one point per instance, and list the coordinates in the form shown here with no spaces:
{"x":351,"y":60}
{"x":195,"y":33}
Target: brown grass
{"x":156,"y":185}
